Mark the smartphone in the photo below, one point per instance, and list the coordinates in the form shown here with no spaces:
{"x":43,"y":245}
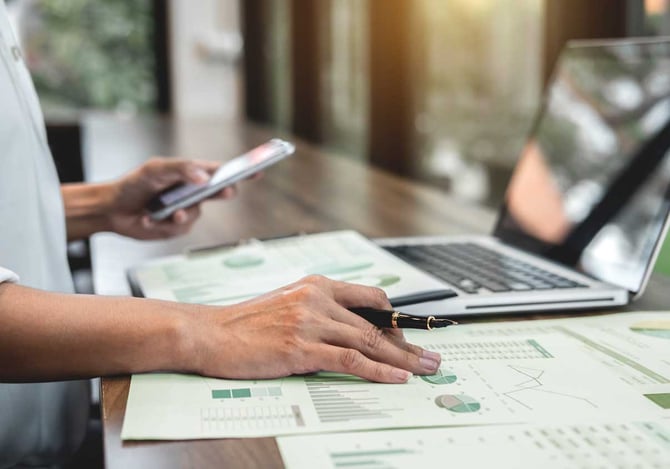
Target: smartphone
{"x":184,"y":195}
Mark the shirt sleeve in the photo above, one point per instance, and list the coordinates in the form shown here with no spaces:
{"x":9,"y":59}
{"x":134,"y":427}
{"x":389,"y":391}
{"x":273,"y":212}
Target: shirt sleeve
{"x":8,"y":276}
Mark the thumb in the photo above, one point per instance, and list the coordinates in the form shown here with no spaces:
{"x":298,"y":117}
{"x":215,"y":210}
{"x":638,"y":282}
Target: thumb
{"x":195,"y":174}
{"x":192,"y":171}
{"x":171,"y":171}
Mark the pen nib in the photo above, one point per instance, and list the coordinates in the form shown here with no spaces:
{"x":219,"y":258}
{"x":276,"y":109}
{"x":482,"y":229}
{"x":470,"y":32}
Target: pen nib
{"x":434,"y":323}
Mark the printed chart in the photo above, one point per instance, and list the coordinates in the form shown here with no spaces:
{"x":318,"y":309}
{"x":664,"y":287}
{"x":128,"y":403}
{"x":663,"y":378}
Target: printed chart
{"x":483,"y":380}
{"x":590,"y":446}
{"x":220,"y":276}
{"x":659,"y":329}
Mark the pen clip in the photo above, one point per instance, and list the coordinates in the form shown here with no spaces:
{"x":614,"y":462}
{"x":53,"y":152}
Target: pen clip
{"x":207,"y":249}
{"x":422,"y":297}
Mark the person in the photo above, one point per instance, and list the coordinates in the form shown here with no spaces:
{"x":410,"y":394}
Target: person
{"x":51,"y":339}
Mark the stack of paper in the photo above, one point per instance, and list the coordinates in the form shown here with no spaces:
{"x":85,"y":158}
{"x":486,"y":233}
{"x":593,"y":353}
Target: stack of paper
{"x":564,"y":388}
{"x":221,"y":276}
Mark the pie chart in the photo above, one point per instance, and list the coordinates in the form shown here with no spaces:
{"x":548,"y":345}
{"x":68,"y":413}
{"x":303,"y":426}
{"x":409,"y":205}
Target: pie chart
{"x":243,"y":261}
{"x":660,"y":329}
{"x":374,"y":280}
{"x":458,"y":403}
{"x":441,"y":377}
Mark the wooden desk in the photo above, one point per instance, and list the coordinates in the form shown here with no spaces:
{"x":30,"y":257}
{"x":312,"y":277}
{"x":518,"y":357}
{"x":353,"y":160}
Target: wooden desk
{"x":313,"y":191}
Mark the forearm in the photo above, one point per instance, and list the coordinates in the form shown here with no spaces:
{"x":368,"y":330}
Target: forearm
{"x":48,"y":336}
{"x":87,"y":208}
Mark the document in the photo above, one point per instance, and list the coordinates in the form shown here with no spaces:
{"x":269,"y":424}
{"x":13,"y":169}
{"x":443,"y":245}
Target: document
{"x":561,"y":370}
{"x":633,"y":347}
{"x":624,"y":445}
{"x":221,"y":276}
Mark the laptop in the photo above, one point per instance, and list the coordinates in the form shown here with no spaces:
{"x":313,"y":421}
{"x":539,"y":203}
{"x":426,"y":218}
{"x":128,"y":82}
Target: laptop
{"x":587,"y":207}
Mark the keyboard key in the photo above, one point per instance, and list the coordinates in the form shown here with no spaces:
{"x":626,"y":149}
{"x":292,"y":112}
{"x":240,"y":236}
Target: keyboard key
{"x":468,"y":286}
{"x":471,"y":267}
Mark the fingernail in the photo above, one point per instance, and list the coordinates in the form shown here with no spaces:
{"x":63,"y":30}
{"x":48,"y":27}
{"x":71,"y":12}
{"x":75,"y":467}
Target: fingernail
{"x":199,"y":175}
{"x":436,"y":357}
{"x":147,"y":223}
{"x":428,"y":364}
{"x":401,"y":375}
{"x":180,"y":218}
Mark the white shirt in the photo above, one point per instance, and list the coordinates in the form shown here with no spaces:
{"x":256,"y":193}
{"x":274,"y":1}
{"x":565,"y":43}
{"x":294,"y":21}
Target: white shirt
{"x":38,"y":422}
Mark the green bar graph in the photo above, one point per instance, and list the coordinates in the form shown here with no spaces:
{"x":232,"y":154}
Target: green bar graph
{"x":245,"y":392}
{"x":370,"y":459}
{"x":221,"y":394}
{"x":242,"y":393}
{"x":662,"y":400}
{"x":381,"y":452}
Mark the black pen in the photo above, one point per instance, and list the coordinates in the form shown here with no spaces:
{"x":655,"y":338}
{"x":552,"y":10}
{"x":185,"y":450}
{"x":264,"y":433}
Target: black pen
{"x":397,"y":320}
{"x":422,"y":297}
{"x":214,"y":247}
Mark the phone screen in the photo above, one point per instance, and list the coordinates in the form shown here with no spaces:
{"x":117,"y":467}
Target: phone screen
{"x":238,"y":168}
{"x":179,"y":192}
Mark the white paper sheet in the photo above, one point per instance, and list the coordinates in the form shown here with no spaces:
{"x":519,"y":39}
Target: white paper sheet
{"x":609,"y":445}
{"x":221,"y":276}
{"x":512,"y":372}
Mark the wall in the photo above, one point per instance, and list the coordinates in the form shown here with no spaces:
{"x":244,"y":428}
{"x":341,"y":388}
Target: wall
{"x":205,"y":45}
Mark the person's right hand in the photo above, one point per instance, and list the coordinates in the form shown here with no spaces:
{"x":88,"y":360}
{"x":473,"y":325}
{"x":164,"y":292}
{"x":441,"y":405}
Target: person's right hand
{"x":303,"y":328}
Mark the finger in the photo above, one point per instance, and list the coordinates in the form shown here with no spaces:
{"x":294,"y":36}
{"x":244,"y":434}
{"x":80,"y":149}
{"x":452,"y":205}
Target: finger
{"x":398,"y":338}
{"x":353,"y":295}
{"x":373,"y":343}
{"x":343,"y":315}
{"x":346,"y":292}
{"x":171,"y":171}
{"x":169,"y":230}
{"x":148,"y":223}
{"x":209,"y":166}
{"x":350,"y":361}
{"x":160,"y":231}
{"x":180,"y":217}
{"x":187,"y":215}
{"x":395,"y":336}
{"x":364,"y":295}
{"x":226,"y":193}
{"x":178,"y":224}
{"x":164,"y":229}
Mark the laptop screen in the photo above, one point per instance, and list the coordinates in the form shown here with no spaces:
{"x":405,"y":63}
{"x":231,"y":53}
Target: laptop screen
{"x":591,"y":189}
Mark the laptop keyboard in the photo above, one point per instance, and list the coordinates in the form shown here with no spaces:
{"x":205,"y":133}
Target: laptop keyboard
{"x":472,"y":267}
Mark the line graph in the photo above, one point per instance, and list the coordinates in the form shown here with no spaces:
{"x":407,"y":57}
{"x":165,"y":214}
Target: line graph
{"x":533,"y":389}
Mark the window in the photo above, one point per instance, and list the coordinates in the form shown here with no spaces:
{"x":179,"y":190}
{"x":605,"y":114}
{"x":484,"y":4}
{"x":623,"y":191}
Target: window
{"x":345,"y":97}
{"x":90,"y":54}
{"x":657,"y":17}
{"x":480,"y":88}
{"x":657,"y":22}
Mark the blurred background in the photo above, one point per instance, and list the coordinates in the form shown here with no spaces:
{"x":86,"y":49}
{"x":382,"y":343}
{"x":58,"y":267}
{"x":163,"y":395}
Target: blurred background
{"x":443,"y":91}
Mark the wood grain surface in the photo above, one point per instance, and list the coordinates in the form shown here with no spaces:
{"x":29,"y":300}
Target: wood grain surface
{"x":312,"y":191}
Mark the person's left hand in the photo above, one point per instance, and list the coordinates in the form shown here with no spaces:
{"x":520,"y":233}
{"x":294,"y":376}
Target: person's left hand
{"x":131,"y":193}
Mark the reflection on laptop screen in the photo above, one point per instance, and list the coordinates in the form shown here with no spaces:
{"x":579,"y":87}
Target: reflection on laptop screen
{"x":591,"y":189}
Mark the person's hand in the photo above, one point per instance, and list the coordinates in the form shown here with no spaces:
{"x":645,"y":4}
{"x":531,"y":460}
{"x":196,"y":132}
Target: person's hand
{"x":303,"y":328}
{"x":131,"y":193}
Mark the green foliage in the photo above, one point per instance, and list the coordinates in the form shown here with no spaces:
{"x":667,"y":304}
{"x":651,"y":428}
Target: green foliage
{"x":481,"y":76}
{"x":663,"y":262}
{"x":92,"y":54}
